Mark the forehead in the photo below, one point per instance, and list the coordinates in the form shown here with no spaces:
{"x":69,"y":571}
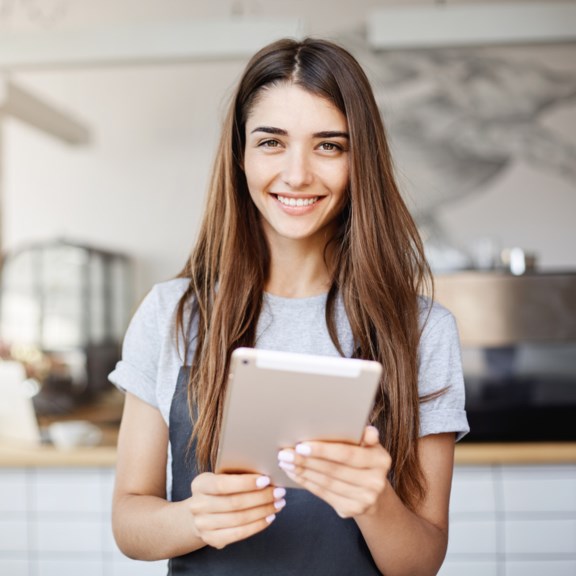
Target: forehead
{"x":290,"y":105}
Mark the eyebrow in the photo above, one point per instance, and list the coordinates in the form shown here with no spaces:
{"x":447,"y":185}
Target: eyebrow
{"x":282,"y":132}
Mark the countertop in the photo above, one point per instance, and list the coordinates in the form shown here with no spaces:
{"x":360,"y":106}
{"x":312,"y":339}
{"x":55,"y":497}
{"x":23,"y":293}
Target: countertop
{"x":12,"y":455}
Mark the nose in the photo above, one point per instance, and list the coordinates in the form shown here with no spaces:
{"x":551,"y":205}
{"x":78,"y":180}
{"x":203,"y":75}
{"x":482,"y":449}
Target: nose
{"x":297,"y":172}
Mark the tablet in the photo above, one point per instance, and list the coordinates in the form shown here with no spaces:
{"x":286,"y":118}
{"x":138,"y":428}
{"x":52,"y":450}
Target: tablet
{"x":275,"y":400}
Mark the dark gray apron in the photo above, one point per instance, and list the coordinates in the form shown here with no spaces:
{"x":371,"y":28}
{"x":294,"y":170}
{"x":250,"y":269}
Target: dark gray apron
{"x":307,"y":537}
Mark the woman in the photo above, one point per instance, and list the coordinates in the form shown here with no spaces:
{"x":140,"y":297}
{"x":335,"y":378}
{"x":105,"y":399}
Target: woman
{"x":305,"y":245}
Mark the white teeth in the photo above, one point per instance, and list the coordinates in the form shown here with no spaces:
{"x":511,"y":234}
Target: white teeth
{"x":297,"y":202}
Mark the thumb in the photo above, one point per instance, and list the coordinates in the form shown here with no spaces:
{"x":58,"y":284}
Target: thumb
{"x":371,"y":436}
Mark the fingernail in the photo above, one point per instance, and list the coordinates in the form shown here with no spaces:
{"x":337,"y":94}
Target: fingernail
{"x":286,"y":456}
{"x":279,"y":493}
{"x":262,"y":482}
{"x":303,"y":449}
{"x":287,"y":466}
{"x":279,"y":504}
{"x":270,"y":518}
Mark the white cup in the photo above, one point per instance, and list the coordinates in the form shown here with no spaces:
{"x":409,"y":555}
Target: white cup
{"x":74,"y":433}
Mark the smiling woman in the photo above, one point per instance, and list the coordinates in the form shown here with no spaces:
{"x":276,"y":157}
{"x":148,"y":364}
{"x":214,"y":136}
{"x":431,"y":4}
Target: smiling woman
{"x":296,"y":165}
{"x":305,"y":246}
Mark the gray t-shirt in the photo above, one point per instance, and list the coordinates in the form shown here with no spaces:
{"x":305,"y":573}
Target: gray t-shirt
{"x":151,"y":359}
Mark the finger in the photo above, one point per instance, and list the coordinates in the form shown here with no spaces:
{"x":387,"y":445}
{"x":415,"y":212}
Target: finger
{"x":341,"y":475}
{"x":350,"y":455}
{"x":357,"y":489}
{"x":209,"y":504}
{"x":225,"y":536}
{"x":220,"y":521}
{"x":220,"y":484}
{"x":343,"y":505}
{"x":371,"y":436}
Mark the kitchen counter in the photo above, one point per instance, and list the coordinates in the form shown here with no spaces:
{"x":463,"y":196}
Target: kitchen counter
{"x":15,"y":456}
{"x":12,"y":455}
{"x":516,"y":453}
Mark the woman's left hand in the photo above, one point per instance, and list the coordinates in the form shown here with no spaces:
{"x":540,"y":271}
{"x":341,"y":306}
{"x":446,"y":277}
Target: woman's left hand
{"x":350,"y":478}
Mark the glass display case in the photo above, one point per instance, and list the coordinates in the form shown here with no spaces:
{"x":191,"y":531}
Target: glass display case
{"x":64,"y":308}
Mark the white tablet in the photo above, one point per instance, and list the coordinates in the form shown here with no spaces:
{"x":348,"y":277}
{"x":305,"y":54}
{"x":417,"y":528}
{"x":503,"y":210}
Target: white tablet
{"x":278,"y":399}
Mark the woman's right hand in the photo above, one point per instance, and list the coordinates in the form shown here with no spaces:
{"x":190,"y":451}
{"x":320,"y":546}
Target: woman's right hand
{"x":227,"y":508}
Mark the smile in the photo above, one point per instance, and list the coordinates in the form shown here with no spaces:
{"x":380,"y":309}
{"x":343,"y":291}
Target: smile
{"x":297,"y":201}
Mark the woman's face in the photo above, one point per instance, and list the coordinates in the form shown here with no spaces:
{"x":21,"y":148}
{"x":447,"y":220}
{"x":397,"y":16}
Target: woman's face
{"x":296,"y":163}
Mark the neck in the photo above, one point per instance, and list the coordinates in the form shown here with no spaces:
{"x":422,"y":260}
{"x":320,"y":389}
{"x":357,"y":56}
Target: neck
{"x":297,"y":271}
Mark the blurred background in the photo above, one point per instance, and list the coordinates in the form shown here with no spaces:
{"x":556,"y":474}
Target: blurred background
{"x":110,"y":113}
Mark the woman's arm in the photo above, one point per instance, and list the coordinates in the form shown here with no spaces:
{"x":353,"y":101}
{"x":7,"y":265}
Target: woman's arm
{"x":223,"y":509}
{"x":353,"y":480}
{"x":394,"y":533}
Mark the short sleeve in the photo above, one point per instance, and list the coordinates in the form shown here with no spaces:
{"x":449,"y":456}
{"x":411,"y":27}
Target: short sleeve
{"x":137,"y":370}
{"x":440,"y":368}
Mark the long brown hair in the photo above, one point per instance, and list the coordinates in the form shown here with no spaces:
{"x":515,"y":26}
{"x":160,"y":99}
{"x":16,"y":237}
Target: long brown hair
{"x":379,"y":264}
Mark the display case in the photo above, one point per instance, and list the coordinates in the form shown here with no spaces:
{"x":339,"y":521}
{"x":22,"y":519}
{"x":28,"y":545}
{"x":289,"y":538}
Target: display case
{"x":64,"y":308}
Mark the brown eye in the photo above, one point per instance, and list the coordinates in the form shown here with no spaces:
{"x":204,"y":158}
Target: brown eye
{"x":330,"y":147}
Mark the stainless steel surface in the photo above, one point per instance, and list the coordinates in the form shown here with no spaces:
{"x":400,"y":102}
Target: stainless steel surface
{"x":499,"y":309}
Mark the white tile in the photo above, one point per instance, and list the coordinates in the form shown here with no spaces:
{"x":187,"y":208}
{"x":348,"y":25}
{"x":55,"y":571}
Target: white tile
{"x":546,"y":489}
{"x":539,"y":471}
{"x":136,"y":568}
{"x":536,"y":568}
{"x":540,"y":536}
{"x":68,"y":491}
{"x":13,"y":490}
{"x":469,"y":568}
{"x":14,"y":567}
{"x":69,"y":567}
{"x":107,"y":479}
{"x":13,"y":535}
{"x":472,"y":491}
{"x":68,"y":535}
{"x":472,"y":537}
{"x":465,"y":472}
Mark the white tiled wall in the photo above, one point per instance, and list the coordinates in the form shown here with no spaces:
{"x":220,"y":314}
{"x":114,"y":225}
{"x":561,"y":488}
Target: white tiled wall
{"x":512,"y":521}
{"x":505,"y":521}
{"x":56,"y":522}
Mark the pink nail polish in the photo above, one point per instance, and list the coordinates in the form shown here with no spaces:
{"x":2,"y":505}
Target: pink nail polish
{"x":303,"y":449}
{"x":262,"y":482}
{"x":286,"y":456}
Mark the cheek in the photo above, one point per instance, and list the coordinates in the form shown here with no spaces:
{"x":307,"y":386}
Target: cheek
{"x":250,"y":175}
{"x":253,"y":172}
{"x":342,"y":179}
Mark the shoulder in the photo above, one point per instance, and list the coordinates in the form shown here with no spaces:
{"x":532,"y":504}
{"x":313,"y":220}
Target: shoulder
{"x":440,"y":373}
{"x":165,"y":296}
{"x":149,"y":351}
{"x":436,"y":321}
{"x":439,"y":354}
{"x":158,"y":307}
